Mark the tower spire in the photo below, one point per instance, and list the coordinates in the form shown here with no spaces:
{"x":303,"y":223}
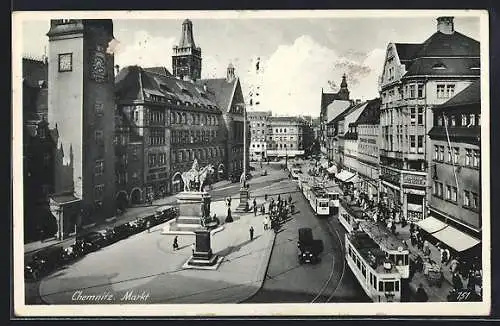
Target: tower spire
{"x":344,"y":91}
{"x":187,"y":39}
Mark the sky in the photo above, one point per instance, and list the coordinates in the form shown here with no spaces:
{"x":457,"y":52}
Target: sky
{"x":299,"y":55}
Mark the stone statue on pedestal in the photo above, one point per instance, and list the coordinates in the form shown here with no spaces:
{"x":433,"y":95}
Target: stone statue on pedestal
{"x":194,"y":179}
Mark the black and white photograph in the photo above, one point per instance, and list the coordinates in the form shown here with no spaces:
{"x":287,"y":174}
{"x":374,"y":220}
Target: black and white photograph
{"x":231,"y":163}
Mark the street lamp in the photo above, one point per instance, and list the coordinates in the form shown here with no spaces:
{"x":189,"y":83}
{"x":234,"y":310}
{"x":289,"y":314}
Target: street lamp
{"x":244,"y":194}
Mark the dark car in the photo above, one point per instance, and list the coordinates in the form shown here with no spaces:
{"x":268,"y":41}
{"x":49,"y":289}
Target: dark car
{"x":109,"y":236}
{"x":309,"y":248}
{"x":44,"y":262}
{"x":91,"y":241}
{"x":123,"y":231}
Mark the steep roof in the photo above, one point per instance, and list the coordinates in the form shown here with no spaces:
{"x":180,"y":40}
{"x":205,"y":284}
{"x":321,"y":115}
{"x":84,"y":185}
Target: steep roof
{"x":471,"y":95}
{"x":287,"y":119}
{"x":371,"y":113}
{"x":406,"y":51}
{"x":158,"y":70}
{"x":444,"y":67}
{"x":136,"y":83}
{"x":449,"y":45}
{"x":327,"y":99}
{"x":220,"y":90}
{"x":346,"y":112}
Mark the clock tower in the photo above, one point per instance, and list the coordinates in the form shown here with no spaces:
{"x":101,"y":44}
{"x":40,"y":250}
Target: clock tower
{"x":186,"y":59}
{"x":81,"y":109}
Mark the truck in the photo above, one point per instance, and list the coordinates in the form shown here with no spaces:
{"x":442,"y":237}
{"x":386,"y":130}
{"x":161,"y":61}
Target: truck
{"x":309,"y":248}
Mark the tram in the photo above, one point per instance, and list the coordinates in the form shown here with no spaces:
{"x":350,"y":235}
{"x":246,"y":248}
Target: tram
{"x":317,"y":198}
{"x":378,"y":276}
{"x":390,"y":244}
{"x":333,"y":201}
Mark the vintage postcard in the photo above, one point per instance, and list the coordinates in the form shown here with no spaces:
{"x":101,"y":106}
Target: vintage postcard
{"x":232,"y":163}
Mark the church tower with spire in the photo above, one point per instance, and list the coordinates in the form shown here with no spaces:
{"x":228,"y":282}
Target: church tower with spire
{"x":343,"y":93}
{"x":186,"y":58}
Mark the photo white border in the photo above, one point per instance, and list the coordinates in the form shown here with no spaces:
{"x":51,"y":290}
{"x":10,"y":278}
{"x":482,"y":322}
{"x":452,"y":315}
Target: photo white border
{"x":211,"y":310}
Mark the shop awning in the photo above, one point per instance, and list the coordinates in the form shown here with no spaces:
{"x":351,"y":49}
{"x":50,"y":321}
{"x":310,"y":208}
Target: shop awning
{"x":345,"y":176}
{"x":332,"y":169}
{"x":455,"y":239}
{"x":431,"y":224}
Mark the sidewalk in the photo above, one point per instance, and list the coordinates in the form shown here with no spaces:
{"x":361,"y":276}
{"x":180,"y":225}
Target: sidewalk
{"x":129,"y":215}
{"x":239,"y":276}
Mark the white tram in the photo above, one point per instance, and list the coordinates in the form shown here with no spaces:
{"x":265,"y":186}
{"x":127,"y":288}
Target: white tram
{"x":378,"y":277}
{"x":317,"y":198}
{"x":334,"y":201}
{"x":390,"y":244}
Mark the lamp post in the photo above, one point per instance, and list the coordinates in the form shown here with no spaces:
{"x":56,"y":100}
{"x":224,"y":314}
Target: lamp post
{"x":244,"y":194}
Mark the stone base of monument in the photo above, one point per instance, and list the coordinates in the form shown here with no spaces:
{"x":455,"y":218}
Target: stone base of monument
{"x":243,"y":205}
{"x":203,"y":258}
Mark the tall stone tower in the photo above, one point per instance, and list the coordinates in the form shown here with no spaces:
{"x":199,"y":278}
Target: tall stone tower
{"x":343,"y":93}
{"x":81,"y":108}
{"x":186,"y":60}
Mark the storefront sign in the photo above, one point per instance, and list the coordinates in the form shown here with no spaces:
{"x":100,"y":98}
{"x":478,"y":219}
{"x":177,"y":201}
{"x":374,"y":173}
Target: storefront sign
{"x":414,"y":179}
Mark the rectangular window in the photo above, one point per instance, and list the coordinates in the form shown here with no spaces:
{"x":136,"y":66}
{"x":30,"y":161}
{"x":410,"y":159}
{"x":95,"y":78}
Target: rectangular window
{"x":441,"y":153}
{"x":456,"y":152}
{"x":453,"y":121}
{"x":466,"y":198}
{"x":420,"y":144}
{"x":449,"y":156}
{"x":475,"y":201}
{"x":468,"y":157}
{"x":436,"y":152}
{"x":420,"y":118}
{"x":99,"y":136}
{"x":99,"y":167}
{"x":413,"y":148}
{"x":420,"y":90}
{"x":440,"y":91}
{"x":472,"y":118}
{"x":413,"y":116}
{"x":450,"y":90}
{"x":99,"y":108}
{"x":464,"y":120}
{"x":454,"y":194}
{"x":448,"y":192}
{"x":412,"y":91}
{"x":98,"y":192}
{"x":152,"y":160}
{"x":476,"y":159}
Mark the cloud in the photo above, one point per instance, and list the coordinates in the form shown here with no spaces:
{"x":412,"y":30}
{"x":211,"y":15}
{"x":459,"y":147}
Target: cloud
{"x":145,"y":50}
{"x":295,"y":73}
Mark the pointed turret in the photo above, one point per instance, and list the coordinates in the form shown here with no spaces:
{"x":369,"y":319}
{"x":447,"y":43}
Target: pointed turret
{"x":230,"y":73}
{"x":344,"y":91}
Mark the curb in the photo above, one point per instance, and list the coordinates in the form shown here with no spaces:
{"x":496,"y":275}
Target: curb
{"x":265,"y":271}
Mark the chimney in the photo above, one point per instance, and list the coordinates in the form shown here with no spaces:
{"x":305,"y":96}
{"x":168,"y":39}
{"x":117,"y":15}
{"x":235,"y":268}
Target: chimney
{"x":445,"y":25}
{"x":117,"y":69}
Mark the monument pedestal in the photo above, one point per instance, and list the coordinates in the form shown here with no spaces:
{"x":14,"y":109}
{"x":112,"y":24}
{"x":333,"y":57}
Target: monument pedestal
{"x":190,"y":212}
{"x":203,"y":258}
{"x":244,"y":196}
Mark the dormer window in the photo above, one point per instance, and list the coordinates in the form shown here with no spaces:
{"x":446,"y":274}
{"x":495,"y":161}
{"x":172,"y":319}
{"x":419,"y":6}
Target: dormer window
{"x":439,"y":66}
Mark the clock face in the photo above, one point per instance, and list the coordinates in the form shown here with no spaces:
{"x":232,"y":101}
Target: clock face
{"x":65,"y":62}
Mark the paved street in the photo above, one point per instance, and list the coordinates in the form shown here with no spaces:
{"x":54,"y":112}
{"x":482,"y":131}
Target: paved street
{"x":146,"y":262}
{"x":289,"y":282}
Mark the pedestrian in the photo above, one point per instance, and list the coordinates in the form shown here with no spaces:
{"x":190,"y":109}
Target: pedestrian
{"x":254,"y":203}
{"x":265,"y":197}
{"x":266,"y":223}
{"x":457,"y":282}
{"x":148,"y":226}
{"x":412,"y":227}
{"x":175,"y":245}
{"x":393,"y":228}
{"x":251,"y":233}
{"x":421,"y":295}
{"x":289,"y":199}
{"x":255,"y":209}
{"x":444,"y":257}
{"x":193,"y":247}
{"x":453,"y":265}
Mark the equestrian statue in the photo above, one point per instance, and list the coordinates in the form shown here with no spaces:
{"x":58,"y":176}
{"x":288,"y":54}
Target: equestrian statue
{"x":195,"y":178}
